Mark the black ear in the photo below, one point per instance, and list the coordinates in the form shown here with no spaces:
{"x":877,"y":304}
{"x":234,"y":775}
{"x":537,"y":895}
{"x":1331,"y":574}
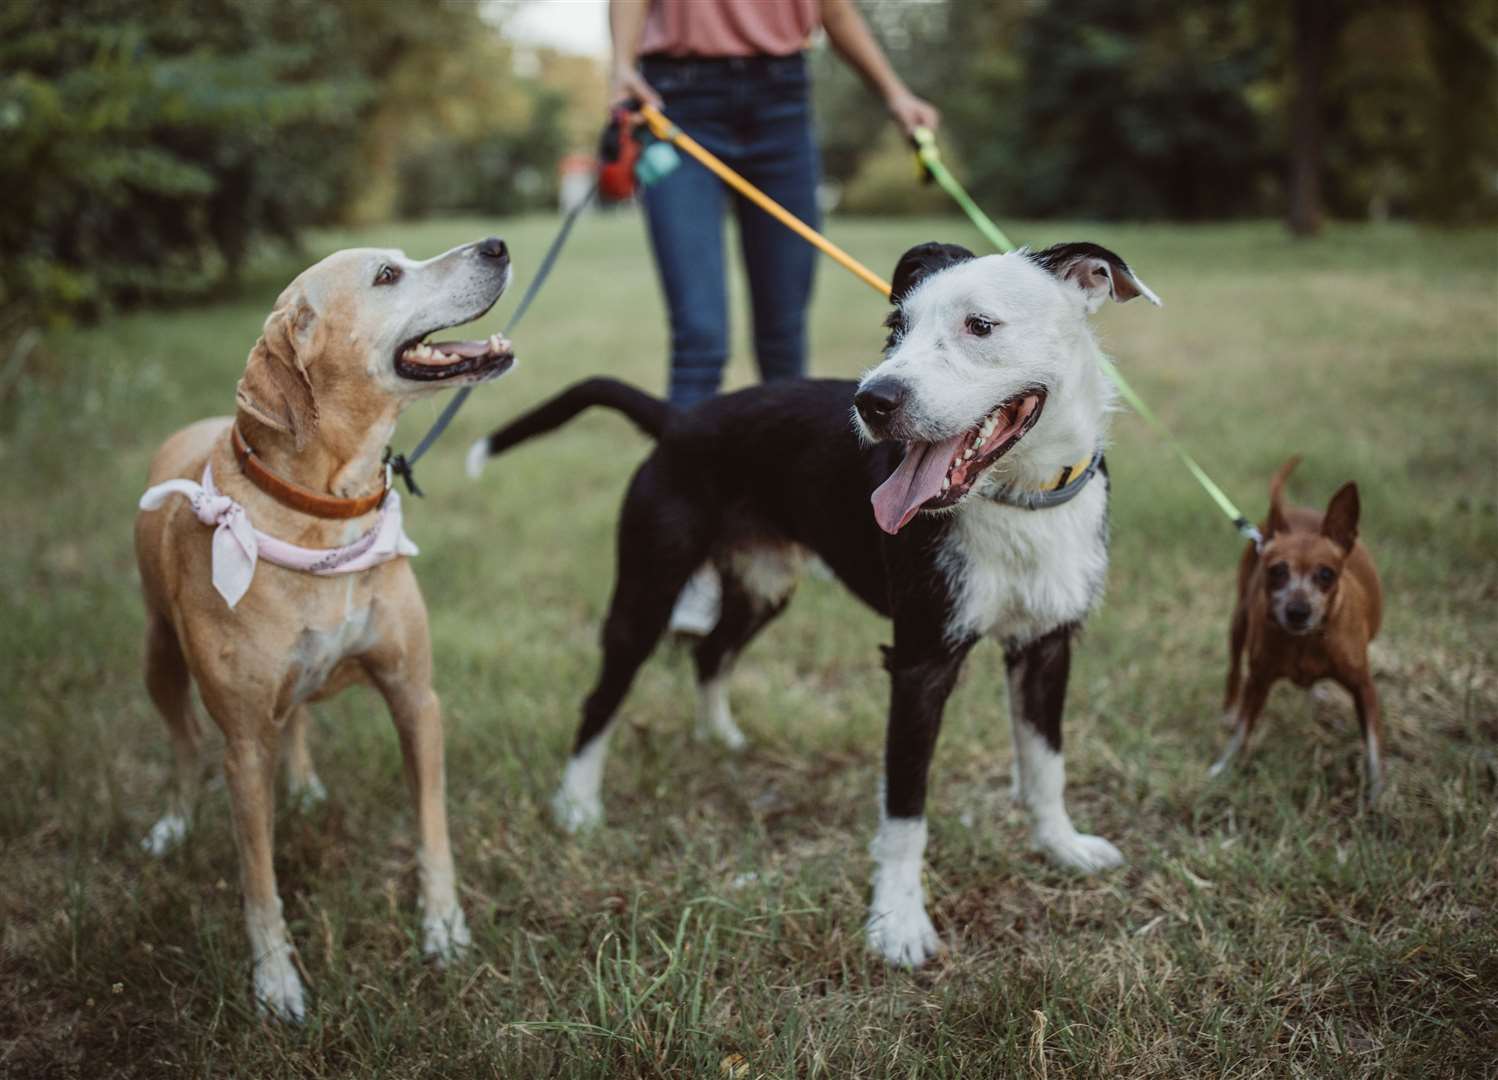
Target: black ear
{"x":920,"y":262}
{"x":1098,"y":272}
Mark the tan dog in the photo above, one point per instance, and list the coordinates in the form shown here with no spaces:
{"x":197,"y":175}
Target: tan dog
{"x":340,"y":357}
{"x":1308,"y":606}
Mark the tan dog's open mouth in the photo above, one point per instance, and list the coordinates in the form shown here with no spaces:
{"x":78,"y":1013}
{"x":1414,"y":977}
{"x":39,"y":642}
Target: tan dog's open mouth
{"x":932,"y":476}
{"x":435,"y":361}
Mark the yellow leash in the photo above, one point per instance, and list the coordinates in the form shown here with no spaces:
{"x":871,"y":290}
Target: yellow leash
{"x":665,"y":130}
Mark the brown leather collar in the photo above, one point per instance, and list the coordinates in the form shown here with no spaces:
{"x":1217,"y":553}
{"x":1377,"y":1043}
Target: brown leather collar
{"x":297,"y":497}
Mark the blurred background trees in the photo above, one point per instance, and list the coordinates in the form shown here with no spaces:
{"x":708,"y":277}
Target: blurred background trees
{"x":147,"y":149}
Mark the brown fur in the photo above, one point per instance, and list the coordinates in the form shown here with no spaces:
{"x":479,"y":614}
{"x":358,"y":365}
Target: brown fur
{"x":1285,"y":583}
{"x":316,"y":415}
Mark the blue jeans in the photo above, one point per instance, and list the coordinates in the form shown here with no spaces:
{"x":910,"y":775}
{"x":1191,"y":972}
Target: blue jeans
{"x":755,"y":114}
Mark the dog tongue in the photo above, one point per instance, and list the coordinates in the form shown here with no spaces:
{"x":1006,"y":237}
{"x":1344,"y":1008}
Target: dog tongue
{"x":917,"y":479}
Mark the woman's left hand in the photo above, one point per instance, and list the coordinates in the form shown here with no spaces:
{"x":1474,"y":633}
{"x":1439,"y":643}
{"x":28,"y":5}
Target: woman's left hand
{"x":911,"y":112}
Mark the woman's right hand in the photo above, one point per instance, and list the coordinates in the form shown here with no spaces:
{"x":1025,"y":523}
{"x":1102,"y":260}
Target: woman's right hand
{"x":629,"y":83}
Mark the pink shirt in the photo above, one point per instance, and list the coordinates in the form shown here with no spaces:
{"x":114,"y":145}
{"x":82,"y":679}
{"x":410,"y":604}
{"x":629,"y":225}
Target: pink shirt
{"x":728,"y":27}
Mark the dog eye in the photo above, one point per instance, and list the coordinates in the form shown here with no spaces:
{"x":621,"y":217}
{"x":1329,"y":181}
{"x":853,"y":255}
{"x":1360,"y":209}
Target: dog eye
{"x":1325,"y":575}
{"x":1279,"y":573}
{"x":978,"y":326}
{"x":387,"y":275}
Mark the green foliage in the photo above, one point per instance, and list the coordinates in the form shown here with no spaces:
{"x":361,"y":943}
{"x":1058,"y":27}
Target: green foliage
{"x":142,"y":153}
{"x":1158,"y":109}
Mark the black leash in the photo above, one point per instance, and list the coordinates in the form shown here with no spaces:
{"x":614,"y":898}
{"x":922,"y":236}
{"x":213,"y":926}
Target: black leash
{"x":402,"y":464}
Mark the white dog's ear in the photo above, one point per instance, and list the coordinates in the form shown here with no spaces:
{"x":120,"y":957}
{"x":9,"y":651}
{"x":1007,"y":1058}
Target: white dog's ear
{"x":1098,"y":272}
{"x":275,"y":388}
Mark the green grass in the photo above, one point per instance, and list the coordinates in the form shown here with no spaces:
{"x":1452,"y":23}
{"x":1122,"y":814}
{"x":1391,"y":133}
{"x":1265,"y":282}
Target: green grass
{"x":1263,"y":926}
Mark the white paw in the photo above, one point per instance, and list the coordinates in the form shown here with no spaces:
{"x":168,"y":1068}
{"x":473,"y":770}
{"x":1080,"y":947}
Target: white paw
{"x":444,"y":938}
{"x":165,"y":835}
{"x":723,"y":731}
{"x":904,"y":937}
{"x":278,"y":988}
{"x":1219,"y":767}
{"x":1080,"y":852}
{"x":309,"y":793}
{"x":574,"y":814}
{"x":478,"y":453}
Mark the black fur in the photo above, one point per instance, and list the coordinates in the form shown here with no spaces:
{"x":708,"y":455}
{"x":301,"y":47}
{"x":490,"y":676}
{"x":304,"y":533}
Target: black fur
{"x":774,"y":463}
{"x":1040,"y":670}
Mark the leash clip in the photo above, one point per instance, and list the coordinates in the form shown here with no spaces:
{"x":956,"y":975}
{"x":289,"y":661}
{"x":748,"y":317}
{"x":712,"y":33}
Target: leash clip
{"x":399,"y":466}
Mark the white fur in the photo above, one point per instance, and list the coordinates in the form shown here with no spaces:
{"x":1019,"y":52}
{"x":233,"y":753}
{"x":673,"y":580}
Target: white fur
{"x":305,"y":792}
{"x":278,"y":987}
{"x":1018,"y":574}
{"x":1230,"y":751}
{"x":478,"y":454}
{"x":899,"y":928}
{"x":445,"y":934}
{"x":578,"y":803}
{"x":167,"y":834}
{"x":318,"y":652}
{"x":714,"y":717}
{"x":1043,"y":775}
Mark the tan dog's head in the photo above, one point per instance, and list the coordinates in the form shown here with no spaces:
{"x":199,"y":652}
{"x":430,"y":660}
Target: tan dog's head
{"x":344,"y":346}
{"x":1303,"y":558}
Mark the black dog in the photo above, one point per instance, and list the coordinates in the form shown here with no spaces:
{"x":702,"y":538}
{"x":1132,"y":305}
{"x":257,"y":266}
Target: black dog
{"x":978,"y":440}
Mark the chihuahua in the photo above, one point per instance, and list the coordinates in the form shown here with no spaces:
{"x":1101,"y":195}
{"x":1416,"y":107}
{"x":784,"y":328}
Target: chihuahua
{"x":1309,"y":602}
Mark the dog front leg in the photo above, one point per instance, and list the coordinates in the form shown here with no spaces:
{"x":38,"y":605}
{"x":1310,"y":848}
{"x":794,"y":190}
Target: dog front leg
{"x":1365,"y":699}
{"x":1237,"y":639}
{"x":249,"y":772}
{"x":1037,"y":696}
{"x":1250,"y":704}
{"x":417,"y":713}
{"x":898,"y":926}
{"x":302,"y":784}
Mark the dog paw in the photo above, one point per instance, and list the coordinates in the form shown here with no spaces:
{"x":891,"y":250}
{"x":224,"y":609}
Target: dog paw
{"x":445,"y":938}
{"x":574,"y":815}
{"x":722,"y":731}
{"x":166,"y":835}
{"x":904,"y":936}
{"x":278,"y":988}
{"x":1080,"y":852}
{"x":308,"y":794}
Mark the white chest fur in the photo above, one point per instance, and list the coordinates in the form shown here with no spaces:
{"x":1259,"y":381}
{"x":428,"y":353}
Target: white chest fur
{"x":318,"y":651}
{"x":1018,"y":574}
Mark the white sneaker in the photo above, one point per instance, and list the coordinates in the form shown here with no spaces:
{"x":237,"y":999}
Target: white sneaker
{"x":700,"y":603}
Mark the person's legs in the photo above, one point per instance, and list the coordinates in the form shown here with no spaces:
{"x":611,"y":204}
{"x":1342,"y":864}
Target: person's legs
{"x":685,"y":214}
{"x":780,"y":158}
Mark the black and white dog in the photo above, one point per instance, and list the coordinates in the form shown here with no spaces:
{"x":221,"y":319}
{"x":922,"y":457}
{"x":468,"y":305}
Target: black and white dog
{"x":978,"y":440}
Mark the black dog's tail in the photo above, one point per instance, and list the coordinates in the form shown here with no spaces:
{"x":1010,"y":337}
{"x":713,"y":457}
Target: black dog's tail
{"x":648,"y":413}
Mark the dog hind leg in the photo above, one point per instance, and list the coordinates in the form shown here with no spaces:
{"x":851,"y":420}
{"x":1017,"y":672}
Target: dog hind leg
{"x":746,"y":611}
{"x":660,"y":545}
{"x":1037,"y":695}
{"x":303,"y":787}
{"x":170,"y":685}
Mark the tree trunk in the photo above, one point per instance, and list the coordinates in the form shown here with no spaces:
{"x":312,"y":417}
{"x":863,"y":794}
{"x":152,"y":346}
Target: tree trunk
{"x":1312,"y":24}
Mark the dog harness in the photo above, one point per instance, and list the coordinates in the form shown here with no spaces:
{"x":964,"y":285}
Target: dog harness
{"x":1068,"y":485}
{"x":237,"y":544}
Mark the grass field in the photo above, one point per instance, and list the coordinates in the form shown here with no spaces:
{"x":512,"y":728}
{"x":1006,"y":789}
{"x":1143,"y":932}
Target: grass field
{"x":1264,"y":925}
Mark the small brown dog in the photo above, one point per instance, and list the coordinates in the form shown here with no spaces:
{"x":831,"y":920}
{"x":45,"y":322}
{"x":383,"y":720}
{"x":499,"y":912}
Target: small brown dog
{"x":1308,"y":605}
{"x":280,"y":577}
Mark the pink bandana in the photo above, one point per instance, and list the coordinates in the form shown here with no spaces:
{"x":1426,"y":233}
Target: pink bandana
{"x":237,"y":544}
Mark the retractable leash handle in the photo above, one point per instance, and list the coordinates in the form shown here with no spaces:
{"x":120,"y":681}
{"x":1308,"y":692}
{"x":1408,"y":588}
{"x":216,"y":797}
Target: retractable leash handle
{"x":924,"y":142}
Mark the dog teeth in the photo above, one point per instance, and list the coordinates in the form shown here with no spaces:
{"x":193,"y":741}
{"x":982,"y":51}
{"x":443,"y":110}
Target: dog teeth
{"x":968,"y":455}
{"x":946,"y":482}
{"x":987,"y":428}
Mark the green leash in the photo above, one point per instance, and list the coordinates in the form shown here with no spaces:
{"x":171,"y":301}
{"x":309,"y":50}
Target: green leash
{"x":930,"y":159}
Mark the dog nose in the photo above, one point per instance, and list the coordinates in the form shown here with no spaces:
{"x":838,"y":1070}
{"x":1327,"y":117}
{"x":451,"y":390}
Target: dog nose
{"x":879,"y":400}
{"x":1297,"y":612}
{"x":493,"y":248}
